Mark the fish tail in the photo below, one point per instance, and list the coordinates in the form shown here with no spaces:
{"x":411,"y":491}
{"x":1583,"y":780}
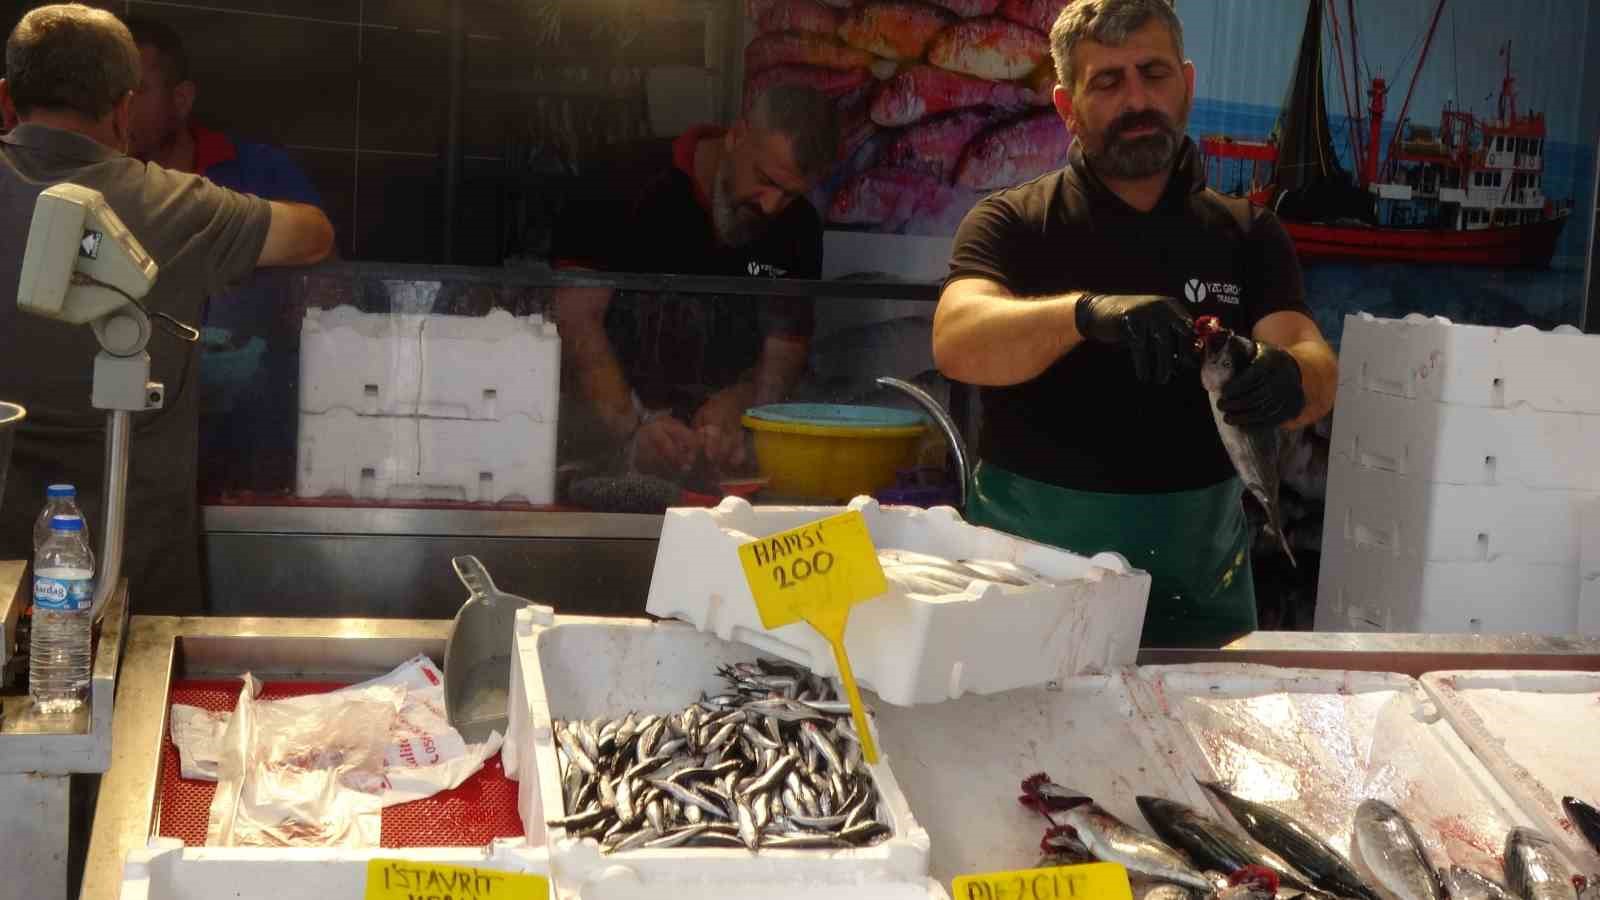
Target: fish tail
{"x":1283,"y":540}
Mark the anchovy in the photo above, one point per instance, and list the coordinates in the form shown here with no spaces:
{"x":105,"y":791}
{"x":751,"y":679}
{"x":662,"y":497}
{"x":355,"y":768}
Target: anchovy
{"x":1254,"y":450}
{"x":1110,"y":840}
{"x":1585,"y":818}
{"x":1464,"y":884}
{"x":676,"y":837}
{"x":1210,"y":844}
{"x":1534,"y":869}
{"x":1390,"y":854}
{"x":1296,"y":844}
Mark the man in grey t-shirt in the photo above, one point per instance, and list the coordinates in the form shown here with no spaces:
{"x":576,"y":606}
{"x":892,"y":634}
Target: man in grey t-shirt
{"x":66,"y":101}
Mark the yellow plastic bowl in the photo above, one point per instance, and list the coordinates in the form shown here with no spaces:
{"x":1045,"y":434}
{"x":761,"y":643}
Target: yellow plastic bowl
{"x":827,"y":451}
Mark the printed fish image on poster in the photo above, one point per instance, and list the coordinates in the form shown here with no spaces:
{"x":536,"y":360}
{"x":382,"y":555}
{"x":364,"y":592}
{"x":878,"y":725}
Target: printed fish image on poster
{"x":939,"y":102}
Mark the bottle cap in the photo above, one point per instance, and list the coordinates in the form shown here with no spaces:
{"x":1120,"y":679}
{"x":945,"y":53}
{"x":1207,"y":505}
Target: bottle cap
{"x":66,"y":523}
{"x":60,"y":490}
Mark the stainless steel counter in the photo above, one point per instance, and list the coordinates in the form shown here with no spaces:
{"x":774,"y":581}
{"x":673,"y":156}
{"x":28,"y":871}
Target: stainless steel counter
{"x":161,"y":649}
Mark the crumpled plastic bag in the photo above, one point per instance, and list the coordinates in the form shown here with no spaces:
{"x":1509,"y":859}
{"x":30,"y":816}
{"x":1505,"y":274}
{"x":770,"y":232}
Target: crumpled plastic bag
{"x":305,"y":771}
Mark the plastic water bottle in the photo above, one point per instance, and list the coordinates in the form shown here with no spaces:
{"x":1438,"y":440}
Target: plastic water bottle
{"x":59,"y":500}
{"x":63,"y":590}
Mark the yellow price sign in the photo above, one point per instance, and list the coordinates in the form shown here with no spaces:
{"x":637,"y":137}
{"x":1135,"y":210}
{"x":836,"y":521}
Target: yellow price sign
{"x":815,"y":573}
{"x":404,"y":879}
{"x":1092,"y":881}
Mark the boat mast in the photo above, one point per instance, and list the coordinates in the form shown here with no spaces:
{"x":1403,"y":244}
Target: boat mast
{"x":1508,"y":90}
{"x":1349,"y":108}
{"x":1400,"y":123}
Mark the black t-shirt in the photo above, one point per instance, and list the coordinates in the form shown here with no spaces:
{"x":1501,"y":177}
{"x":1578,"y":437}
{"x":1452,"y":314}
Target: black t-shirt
{"x":1087,"y":423}
{"x":637,"y":210}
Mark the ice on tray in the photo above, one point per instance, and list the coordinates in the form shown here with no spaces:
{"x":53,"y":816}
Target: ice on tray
{"x":1315,"y":744}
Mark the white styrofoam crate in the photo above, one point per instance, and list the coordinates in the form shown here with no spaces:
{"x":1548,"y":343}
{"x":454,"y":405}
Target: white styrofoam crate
{"x":167,"y":870}
{"x":1458,"y":444}
{"x":913,"y":649}
{"x":1589,"y":568}
{"x":1365,"y":587}
{"x":1535,"y":731}
{"x":1086,"y":733}
{"x":1439,"y":522}
{"x":583,"y":667}
{"x":436,"y":366}
{"x":1315,"y":744}
{"x":1472,"y":365}
{"x":345,"y":454}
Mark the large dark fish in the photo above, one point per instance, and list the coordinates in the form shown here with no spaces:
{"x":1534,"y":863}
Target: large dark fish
{"x":1210,"y":844}
{"x":1534,"y":868}
{"x":1296,"y":844}
{"x":1585,"y":818}
{"x":1390,"y":854}
{"x":1254,"y":451}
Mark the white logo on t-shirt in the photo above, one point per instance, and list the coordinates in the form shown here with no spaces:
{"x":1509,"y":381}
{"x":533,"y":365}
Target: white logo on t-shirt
{"x":1195,"y":291}
{"x":1198,"y":291}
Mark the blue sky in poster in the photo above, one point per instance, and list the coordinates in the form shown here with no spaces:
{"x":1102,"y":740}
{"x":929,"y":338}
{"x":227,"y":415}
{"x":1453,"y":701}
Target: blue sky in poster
{"x":1244,"y":51}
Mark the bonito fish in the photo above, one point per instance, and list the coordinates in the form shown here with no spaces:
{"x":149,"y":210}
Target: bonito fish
{"x":922,"y":91}
{"x":777,"y":49}
{"x":1465,"y":884}
{"x":935,"y":145}
{"x":894,"y":29}
{"x":1210,"y":844}
{"x":990,"y":47}
{"x":1390,"y":854}
{"x":1109,"y":839}
{"x":1013,"y":153}
{"x":1254,"y":450}
{"x":794,"y":15}
{"x":1296,"y":844}
{"x":1585,"y":818}
{"x":1534,"y":868}
{"x":1039,"y":15}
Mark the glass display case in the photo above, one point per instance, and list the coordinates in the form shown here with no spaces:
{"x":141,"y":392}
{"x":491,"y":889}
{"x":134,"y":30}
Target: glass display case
{"x":359,"y":385}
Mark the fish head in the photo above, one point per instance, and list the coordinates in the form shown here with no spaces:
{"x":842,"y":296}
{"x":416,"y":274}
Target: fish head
{"x":1063,"y":839}
{"x":1153,"y":808}
{"x":1223,"y":353}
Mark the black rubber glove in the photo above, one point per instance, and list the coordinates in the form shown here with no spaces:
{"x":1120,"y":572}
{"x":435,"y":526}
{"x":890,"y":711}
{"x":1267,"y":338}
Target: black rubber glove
{"x":1157,"y":330}
{"x":1266,"y":392}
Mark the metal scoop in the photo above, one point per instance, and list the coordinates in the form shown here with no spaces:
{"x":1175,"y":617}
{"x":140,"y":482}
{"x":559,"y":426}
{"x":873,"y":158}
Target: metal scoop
{"x":477,"y":659}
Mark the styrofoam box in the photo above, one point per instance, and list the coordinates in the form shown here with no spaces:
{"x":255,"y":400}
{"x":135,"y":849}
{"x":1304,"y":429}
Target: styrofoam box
{"x":345,"y":454}
{"x":1589,"y":568}
{"x":1366,"y":587}
{"x":436,"y":366}
{"x":167,"y":870}
{"x":582,"y":667}
{"x":1457,"y":444}
{"x":962,"y":762}
{"x":1433,"y":358}
{"x":1421,"y":520}
{"x":910,"y":648}
{"x":1315,"y":744}
{"x":1536,"y":732}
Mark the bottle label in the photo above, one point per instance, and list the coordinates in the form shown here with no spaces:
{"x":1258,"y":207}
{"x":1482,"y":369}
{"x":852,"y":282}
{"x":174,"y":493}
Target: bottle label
{"x":63,"y":594}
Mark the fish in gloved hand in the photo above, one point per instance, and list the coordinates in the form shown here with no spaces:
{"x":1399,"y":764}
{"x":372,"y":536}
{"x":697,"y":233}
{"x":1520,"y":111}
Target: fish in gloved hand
{"x":1254,"y":448}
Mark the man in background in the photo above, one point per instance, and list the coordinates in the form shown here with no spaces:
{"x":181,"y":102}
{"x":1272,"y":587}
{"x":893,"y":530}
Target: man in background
{"x":164,"y":133}
{"x":669,"y":378}
{"x":67,"y":102}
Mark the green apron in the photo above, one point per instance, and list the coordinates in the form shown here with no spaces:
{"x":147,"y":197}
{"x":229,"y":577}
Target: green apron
{"x":1194,"y":544}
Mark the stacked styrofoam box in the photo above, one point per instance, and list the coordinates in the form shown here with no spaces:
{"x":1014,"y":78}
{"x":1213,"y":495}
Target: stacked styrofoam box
{"x":912,"y":648}
{"x":1461,"y":457}
{"x":581,"y":667}
{"x":408,"y":406}
{"x":167,"y":870}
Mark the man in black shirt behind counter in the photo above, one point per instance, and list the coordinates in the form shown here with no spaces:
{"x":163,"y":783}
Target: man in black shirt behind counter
{"x":668,"y":378}
{"x":1063,"y":302}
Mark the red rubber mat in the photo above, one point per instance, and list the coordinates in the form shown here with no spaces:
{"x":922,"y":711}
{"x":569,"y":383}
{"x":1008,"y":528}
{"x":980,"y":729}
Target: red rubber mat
{"x":484,"y":807}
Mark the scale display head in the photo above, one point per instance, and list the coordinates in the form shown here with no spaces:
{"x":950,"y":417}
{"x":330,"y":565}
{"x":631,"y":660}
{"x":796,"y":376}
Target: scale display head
{"x":79,"y":256}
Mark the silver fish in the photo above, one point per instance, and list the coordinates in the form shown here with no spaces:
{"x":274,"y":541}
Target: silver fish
{"x":1464,"y":884}
{"x":1387,"y":850}
{"x":1110,"y":840}
{"x":1534,"y":868}
{"x":1254,"y":450}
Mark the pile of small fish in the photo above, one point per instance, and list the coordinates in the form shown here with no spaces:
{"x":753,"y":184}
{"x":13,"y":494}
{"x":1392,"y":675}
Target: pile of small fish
{"x":772,"y":763}
{"x":1197,"y":856}
{"x":921,"y":573}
